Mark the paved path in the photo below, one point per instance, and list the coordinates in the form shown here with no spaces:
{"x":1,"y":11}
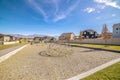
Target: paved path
{"x":28,"y":64}
{"x":92,"y":71}
{"x":11,"y":53}
{"x":5,"y":51}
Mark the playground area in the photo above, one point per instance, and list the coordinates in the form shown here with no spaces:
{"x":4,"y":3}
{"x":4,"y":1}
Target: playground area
{"x":49,"y":61}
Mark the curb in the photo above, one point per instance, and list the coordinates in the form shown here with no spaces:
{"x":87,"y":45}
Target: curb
{"x":96,"y":48}
{"x":4,"y":57}
{"x":85,"y":74}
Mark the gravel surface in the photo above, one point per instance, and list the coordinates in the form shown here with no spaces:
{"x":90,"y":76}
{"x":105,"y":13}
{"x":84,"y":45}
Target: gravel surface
{"x":28,"y":64}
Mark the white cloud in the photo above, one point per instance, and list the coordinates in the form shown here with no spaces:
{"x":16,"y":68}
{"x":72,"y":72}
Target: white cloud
{"x":89,"y":10}
{"x":101,"y":6}
{"x":66,"y":13}
{"x":56,"y":3}
{"x":38,"y":8}
{"x":71,"y":8}
{"x":98,"y":17}
{"x":113,"y":15}
{"x":108,"y":3}
{"x":59,"y":17}
{"x":58,"y":13}
{"x":98,"y":11}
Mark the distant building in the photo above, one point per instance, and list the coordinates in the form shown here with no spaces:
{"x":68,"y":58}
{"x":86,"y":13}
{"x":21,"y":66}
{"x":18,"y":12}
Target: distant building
{"x":12,"y":38}
{"x":5,"y":38}
{"x":116,"y":31}
{"x":49,"y":39}
{"x":29,"y":39}
{"x":76,"y":37}
{"x":66,"y":36}
{"x":89,"y":34}
{"x":37,"y":39}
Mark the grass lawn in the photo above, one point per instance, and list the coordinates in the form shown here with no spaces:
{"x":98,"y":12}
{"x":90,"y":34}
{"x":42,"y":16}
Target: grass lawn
{"x":109,"y":73}
{"x":10,"y":45}
{"x":108,"y":47}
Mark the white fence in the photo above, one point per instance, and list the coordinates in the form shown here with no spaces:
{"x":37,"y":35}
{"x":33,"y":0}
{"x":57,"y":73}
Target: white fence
{"x":13,"y":42}
{"x":115,"y":41}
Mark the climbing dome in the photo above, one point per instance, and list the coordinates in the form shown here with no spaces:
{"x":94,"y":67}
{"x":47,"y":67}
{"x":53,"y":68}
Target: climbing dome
{"x":55,"y":50}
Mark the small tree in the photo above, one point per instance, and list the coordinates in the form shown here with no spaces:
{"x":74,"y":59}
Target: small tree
{"x":81,"y":36}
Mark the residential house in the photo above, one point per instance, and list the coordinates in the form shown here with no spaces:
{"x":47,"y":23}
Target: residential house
{"x":5,"y":38}
{"x":89,"y":34}
{"x":116,"y":31}
{"x":12,"y":38}
{"x":76,"y":38}
{"x":49,"y":39}
{"x":37,"y":39}
{"x":29,"y":39}
{"x":67,"y":36}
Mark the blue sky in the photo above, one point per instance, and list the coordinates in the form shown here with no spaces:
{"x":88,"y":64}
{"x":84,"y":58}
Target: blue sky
{"x":53,"y":17}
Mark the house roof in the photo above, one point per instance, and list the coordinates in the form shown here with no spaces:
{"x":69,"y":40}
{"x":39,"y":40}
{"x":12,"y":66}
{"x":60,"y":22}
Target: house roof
{"x":4,"y":35}
{"x":116,"y":25}
{"x":66,"y":34}
{"x":89,"y":30}
{"x":1,"y":34}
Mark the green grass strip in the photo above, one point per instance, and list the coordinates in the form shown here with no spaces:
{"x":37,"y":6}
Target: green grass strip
{"x":109,"y":73}
{"x":10,"y":45}
{"x":108,"y":47}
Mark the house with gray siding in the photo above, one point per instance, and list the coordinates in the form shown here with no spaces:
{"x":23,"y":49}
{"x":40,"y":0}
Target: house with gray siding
{"x":116,"y":31}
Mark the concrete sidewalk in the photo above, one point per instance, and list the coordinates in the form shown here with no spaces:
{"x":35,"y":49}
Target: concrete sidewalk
{"x":92,"y":71}
{"x":5,"y":51}
{"x":5,"y":54}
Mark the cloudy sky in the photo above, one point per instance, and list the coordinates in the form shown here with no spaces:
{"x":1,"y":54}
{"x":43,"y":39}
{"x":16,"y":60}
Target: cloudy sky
{"x":53,"y":17}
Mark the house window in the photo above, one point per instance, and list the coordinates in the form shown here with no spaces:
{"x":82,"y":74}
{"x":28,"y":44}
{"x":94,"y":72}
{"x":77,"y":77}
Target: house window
{"x":116,"y":28}
{"x":84,"y":32}
{"x":91,"y":32}
{"x":87,"y":36}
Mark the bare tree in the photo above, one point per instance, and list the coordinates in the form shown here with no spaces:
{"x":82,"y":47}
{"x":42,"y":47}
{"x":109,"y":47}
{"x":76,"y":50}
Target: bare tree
{"x":81,"y":36}
{"x":105,"y":33}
